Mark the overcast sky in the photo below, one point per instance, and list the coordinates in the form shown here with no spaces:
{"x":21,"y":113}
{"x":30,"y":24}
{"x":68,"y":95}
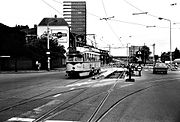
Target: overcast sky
{"x":117,"y":32}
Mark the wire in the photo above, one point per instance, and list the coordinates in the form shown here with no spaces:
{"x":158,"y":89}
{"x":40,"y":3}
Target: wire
{"x":94,"y":15}
{"x":133,"y":5}
{"x":52,"y":7}
{"x":140,"y":9}
{"x":104,"y":8}
{"x":57,"y":1}
{"x":132,"y":23}
{"x":109,"y":23}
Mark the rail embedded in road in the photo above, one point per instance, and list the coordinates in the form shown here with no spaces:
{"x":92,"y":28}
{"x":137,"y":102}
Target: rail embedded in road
{"x":111,"y":73}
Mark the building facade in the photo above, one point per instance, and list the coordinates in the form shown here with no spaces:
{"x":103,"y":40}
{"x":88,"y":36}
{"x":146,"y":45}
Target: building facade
{"x":74,"y":13}
{"x":133,"y":50}
{"x":55,"y":27}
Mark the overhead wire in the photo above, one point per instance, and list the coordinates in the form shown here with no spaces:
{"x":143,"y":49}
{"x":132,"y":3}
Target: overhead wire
{"x":91,"y":14}
{"x":133,"y":5}
{"x":51,"y":7}
{"x":142,"y":11}
{"x":132,"y":23}
{"x":109,"y":23}
{"x":147,"y":14}
{"x":57,"y":1}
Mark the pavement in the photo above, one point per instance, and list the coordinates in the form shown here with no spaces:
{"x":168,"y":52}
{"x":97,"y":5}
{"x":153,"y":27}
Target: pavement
{"x":32,"y":71}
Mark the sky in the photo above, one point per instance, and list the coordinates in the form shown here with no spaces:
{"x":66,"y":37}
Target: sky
{"x":124,"y":29}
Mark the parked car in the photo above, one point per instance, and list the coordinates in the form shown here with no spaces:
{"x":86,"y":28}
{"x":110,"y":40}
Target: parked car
{"x":160,"y":68}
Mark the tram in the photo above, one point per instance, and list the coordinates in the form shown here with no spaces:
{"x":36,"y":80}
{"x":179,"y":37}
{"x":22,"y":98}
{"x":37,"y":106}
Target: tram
{"x":84,"y":61}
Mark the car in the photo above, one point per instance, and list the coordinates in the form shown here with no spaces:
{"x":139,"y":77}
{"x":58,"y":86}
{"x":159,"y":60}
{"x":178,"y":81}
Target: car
{"x":160,"y":68}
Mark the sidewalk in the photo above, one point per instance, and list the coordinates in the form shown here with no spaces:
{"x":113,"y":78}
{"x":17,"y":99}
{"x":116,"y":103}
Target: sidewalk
{"x":32,"y":71}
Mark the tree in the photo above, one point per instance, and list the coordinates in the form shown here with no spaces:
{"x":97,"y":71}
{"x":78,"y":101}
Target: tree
{"x":145,"y":52}
{"x":38,"y":49}
{"x":12,"y":41}
{"x":156,"y":57}
{"x":176,"y":53}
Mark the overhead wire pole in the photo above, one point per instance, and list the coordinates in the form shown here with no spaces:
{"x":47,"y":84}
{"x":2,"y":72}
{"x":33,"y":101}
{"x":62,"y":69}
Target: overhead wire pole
{"x":160,"y":18}
{"x":154,"y":52}
{"x":128,"y":53}
{"x":48,"y":46}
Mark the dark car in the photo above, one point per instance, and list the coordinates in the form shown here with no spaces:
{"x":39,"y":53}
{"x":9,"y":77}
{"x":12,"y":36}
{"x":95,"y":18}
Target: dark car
{"x":160,"y":68}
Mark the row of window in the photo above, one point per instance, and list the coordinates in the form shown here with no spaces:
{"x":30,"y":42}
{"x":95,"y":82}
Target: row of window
{"x":86,"y":57}
{"x":91,"y":57}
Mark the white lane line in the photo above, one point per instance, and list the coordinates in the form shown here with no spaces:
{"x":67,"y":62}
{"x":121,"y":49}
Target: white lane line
{"x":126,"y":85}
{"x":31,"y":120}
{"x":57,"y":95}
{"x":71,"y":88}
{"x":17,"y":119}
{"x":59,"y":121}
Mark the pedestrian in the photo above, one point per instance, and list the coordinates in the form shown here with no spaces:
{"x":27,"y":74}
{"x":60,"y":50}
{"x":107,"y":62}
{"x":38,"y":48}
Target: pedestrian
{"x":38,"y":65}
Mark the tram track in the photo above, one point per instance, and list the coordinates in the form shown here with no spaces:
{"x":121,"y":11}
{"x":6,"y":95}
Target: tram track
{"x":64,"y":106}
{"x":35,"y":98}
{"x":59,"y":109}
{"x":99,"y":118}
{"x":38,"y":96}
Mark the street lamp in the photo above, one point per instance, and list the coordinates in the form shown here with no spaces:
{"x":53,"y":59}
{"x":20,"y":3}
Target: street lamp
{"x":151,"y":26}
{"x":48,"y":51}
{"x":140,"y":13}
{"x":160,"y":18}
{"x":106,"y":18}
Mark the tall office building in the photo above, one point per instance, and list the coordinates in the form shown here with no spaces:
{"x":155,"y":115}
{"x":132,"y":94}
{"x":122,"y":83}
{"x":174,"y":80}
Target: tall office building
{"x":74,"y":13}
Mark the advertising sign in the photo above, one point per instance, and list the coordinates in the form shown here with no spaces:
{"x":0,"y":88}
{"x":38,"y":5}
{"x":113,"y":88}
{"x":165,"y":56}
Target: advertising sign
{"x":60,"y":35}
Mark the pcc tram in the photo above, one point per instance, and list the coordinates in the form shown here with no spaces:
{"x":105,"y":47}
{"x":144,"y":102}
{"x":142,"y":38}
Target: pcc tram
{"x":84,"y":61}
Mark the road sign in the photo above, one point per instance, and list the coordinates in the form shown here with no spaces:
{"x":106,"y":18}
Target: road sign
{"x":139,"y":68}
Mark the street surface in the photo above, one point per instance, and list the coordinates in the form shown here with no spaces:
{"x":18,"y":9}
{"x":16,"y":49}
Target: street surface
{"x":36,"y":96}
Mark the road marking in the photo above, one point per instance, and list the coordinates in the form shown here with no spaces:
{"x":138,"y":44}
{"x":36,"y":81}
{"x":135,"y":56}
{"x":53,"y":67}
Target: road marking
{"x":57,"y":95}
{"x":20,"y":119}
{"x":71,"y":88}
{"x":31,"y":120}
{"x":126,"y":85}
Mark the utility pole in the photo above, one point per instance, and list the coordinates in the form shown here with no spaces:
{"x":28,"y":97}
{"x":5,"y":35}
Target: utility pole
{"x":153,"y":53}
{"x":160,"y":18}
{"x":48,"y":45}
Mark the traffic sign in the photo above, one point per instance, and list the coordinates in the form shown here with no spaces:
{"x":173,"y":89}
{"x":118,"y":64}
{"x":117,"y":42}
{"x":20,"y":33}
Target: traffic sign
{"x":139,"y":68}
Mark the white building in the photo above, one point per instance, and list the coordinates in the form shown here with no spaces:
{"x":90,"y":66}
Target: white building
{"x":58,"y":28}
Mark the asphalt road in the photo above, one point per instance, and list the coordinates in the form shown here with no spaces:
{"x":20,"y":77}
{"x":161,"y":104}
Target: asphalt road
{"x":151,"y":98}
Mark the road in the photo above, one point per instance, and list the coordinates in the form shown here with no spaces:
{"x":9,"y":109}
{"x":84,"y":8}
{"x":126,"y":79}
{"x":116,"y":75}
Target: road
{"x":52,"y":96}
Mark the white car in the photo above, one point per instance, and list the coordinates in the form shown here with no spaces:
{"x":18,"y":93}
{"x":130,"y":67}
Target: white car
{"x":160,"y":68}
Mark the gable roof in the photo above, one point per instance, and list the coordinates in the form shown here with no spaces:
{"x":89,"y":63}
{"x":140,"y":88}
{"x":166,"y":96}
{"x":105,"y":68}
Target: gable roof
{"x":53,"y":22}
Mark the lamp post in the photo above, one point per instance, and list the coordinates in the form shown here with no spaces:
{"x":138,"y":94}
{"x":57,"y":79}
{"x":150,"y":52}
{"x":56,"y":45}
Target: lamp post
{"x":160,"y":18}
{"x":48,"y":51}
{"x":153,"y":53}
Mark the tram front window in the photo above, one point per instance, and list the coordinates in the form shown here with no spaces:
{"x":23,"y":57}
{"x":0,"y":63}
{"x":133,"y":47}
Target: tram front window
{"x":78,"y":58}
{"x":75,"y":58}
